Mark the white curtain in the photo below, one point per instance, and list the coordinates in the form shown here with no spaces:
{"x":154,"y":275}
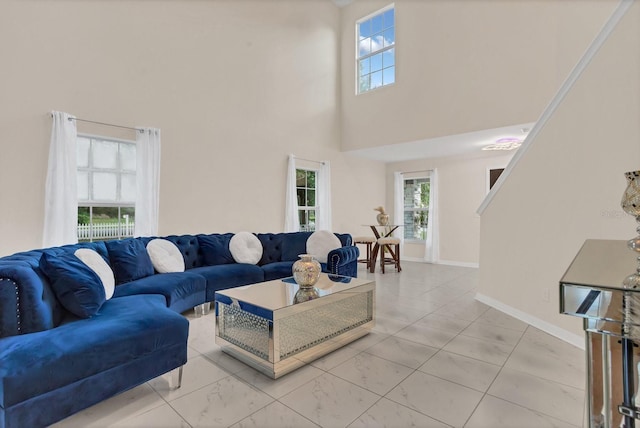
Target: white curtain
{"x":398,"y":204}
{"x":147,"y":181}
{"x":61,"y":196}
{"x":324,"y":197}
{"x":291,"y":220}
{"x":432,"y":243}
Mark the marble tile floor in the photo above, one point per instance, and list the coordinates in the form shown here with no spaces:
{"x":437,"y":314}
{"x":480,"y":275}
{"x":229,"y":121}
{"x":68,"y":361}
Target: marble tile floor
{"x":436,"y":358}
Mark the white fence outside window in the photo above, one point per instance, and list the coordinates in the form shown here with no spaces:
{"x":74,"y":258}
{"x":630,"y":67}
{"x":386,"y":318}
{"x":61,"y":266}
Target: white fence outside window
{"x":100,"y":231}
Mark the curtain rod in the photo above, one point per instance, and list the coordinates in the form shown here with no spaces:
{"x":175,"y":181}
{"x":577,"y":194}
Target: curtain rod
{"x":103,"y":123}
{"x":309,"y":160}
{"x":413,"y":172}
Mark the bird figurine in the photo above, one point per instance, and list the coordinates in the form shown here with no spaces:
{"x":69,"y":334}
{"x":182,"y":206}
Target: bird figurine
{"x":383,"y":217}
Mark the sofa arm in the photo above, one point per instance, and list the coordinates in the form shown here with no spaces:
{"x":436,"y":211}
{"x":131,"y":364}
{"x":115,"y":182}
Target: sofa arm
{"x":344,"y":261}
{"x":27,"y":304}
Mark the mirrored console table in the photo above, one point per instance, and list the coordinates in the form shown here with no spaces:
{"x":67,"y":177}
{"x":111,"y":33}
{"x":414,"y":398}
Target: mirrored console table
{"x":592,"y":289}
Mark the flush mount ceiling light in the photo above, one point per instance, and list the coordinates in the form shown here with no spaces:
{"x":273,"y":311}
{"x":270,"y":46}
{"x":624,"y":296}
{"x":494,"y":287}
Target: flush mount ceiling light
{"x":509,"y":143}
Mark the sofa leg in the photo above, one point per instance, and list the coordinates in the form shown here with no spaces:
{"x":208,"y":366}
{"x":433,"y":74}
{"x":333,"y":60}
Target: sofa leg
{"x":198,"y":310}
{"x":202,"y":309}
{"x":176,"y":378}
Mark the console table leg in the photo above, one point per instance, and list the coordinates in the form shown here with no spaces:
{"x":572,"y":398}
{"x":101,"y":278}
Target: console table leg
{"x":628,"y":381}
{"x":606,"y":380}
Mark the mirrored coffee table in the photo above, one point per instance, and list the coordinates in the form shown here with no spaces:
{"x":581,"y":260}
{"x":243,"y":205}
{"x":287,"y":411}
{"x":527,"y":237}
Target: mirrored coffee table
{"x":264,"y":326}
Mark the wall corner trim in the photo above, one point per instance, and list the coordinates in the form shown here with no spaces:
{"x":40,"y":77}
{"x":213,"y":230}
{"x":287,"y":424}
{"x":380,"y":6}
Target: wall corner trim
{"x":562,"y":334}
{"x":566,"y":86}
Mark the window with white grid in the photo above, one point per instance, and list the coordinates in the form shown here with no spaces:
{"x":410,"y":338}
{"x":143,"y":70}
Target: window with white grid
{"x":375,"y":50}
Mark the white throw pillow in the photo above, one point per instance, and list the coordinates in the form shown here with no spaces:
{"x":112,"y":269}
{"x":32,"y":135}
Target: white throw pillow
{"x":245,"y":247}
{"x":165,"y":256}
{"x":97,"y":264}
{"x":320,"y":243}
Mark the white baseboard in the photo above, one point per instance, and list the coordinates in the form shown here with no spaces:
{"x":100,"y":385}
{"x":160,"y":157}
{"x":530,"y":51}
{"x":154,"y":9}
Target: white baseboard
{"x":560,"y":333}
{"x":412,"y":259}
{"x":440,"y":262}
{"x":461,"y":264}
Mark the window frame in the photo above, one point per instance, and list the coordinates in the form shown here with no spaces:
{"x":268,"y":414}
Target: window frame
{"x":90,"y":203}
{"x":307,"y":208}
{"x":359,"y":58}
{"x":414,"y":210}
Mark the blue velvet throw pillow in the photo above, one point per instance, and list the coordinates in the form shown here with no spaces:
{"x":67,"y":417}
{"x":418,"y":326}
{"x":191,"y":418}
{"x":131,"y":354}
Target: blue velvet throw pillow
{"x":215,"y":249}
{"x":77,"y":287}
{"x":129,"y":260}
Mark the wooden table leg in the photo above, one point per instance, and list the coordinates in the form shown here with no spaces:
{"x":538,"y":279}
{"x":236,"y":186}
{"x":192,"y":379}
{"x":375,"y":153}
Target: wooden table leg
{"x":374,"y":257}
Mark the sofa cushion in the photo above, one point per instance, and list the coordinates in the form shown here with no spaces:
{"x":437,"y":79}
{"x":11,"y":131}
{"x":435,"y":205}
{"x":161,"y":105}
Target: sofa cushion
{"x":277,"y":270}
{"x":226,"y":276}
{"x":129,"y":260}
{"x":320,"y":243}
{"x":182,"y":290}
{"x":245,"y":247}
{"x":125,"y":329}
{"x":77,"y":287}
{"x":165,"y":256}
{"x":95,"y":261}
{"x":215,"y":249}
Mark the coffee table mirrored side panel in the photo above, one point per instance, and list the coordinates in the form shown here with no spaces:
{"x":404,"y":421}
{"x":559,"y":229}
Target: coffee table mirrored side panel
{"x":279,"y":338}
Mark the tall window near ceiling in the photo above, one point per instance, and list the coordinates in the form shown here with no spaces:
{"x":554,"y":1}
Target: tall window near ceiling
{"x":375,"y":50}
{"x":307,"y":201}
{"x":416,"y":208}
{"x":106,"y":188}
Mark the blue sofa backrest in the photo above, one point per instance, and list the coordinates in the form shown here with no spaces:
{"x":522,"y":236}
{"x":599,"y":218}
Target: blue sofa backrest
{"x":279,"y":247}
{"x":28,"y":304}
{"x":190,"y":249}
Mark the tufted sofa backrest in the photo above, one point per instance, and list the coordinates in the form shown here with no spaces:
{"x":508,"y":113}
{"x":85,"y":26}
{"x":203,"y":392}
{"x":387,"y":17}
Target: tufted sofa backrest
{"x":271,"y":247}
{"x":28,"y":304}
{"x":279,"y":247}
{"x":190,"y":249}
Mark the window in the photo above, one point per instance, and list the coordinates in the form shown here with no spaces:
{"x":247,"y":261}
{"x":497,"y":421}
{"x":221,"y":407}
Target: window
{"x":106,"y":188}
{"x":307,"y":197}
{"x":376,"y":40}
{"x":416,"y":208}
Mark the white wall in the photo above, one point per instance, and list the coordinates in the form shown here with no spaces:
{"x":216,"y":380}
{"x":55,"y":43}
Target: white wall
{"x":568,"y":186}
{"x":464,"y":66}
{"x":462,"y":187}
{"x":235,"y":87}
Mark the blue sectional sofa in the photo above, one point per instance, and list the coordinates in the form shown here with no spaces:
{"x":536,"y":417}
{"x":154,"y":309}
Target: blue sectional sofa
{"x":54,"y":363}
